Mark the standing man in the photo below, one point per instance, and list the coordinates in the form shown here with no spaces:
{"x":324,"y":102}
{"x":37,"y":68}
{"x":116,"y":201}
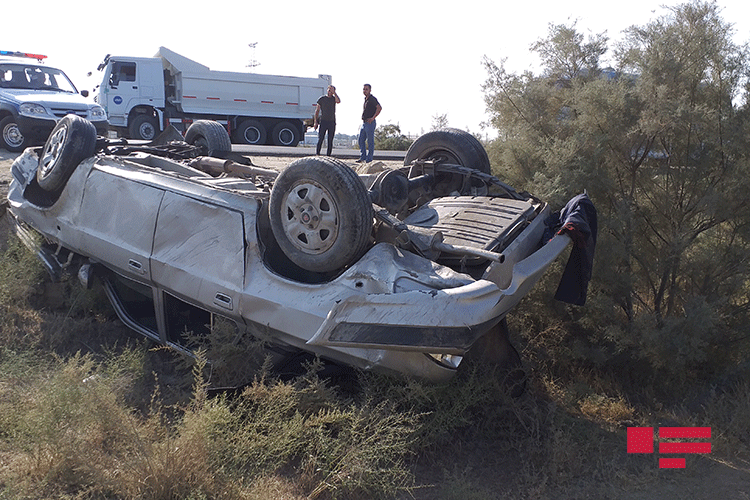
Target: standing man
{"x":325,"y":109}
{"x":370,"y":111}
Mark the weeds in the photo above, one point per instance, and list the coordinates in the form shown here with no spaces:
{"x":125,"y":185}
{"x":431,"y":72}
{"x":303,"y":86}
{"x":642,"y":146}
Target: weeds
{"x":20,"y":274}
{"x":69,"y":429}
{"x":88,"y":413}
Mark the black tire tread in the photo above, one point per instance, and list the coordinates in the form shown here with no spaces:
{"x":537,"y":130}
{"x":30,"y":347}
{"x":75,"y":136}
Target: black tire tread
{"x":213,"y":133}
{"x":353,"y":203}
{"x":459,"y":143}
{"x":13,"y":149}
{"x":239,"y":133}
{"x":135,"y":125}
{"x":79,"y":144}
{"x":277,"y":130}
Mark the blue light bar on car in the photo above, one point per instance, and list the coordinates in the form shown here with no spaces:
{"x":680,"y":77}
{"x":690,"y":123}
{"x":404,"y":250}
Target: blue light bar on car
{"x":38,"y":57}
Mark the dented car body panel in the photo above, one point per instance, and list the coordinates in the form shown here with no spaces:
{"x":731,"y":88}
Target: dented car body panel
{"x":197,"y":242}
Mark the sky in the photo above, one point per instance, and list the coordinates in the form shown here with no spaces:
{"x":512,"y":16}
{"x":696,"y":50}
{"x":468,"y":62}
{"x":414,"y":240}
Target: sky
{"x":422,"y":58}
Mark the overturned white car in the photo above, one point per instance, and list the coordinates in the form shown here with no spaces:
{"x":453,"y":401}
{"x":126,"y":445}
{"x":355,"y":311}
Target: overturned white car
{"x":402,"y":271}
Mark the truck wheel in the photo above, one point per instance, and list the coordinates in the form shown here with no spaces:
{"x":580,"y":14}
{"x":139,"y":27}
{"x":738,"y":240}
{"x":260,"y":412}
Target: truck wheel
{"x":211,"y":137}
{"x":320,"y":214}
{"x":285,"y":134}
{"x":72,"y":140}
{"x":250,"y":132}
{"x":143,"y":127}
{"x":11,"y":137}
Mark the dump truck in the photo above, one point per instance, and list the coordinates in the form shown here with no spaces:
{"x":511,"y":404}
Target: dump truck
{"x":144,"y":95}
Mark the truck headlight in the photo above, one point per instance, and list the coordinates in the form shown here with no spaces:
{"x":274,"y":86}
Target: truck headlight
{"x":31,"y":109}
{"x":97,"y":113}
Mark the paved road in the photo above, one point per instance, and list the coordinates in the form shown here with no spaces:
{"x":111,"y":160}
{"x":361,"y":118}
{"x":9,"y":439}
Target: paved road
{"x":308,"y":151}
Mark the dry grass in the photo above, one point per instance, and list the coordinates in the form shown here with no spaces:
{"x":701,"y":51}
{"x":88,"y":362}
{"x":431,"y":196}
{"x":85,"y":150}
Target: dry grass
{"x":87,"y":412}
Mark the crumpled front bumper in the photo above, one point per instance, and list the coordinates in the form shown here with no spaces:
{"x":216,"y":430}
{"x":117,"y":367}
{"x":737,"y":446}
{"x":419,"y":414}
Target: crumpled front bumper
{"x":446,"y":321}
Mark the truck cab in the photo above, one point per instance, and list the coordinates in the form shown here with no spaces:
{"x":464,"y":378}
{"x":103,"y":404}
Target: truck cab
{"x":132,"y":94}
{"x":34,"y":96}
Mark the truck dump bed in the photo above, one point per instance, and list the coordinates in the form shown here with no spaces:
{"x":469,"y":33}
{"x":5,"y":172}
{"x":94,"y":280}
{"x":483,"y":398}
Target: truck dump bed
{"x":198,"y":89}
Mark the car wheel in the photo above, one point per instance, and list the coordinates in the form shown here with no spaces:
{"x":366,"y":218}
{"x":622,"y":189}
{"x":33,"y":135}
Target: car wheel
{"x":72,"y":140}
{"x":11,"y":137}
{"x":211,"y":137}
{"x":320,"y":214}
{"x":450,"y":145}
{"x":250,"y":132}
{"x":143,"y":127}
{"x":285,"y":134}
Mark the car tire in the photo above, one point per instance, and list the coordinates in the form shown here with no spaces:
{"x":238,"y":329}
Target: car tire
{"x":452,"y":146}
{"x":11,"y":137}
{"x":71,"y":141}
{"x":320,"y":213}
{"x":285,"y":134}
{"x":211,"y":137}
{"x":144,"y":127}
{"x":251,"y":132}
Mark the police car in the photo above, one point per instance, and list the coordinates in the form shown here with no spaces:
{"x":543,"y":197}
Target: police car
{"x":34,"y":97}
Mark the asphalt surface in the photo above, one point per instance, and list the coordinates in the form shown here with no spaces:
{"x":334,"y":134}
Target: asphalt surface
{"x":344,"y":154}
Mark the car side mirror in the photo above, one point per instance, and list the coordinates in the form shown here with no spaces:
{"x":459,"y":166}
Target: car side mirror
{"x":85,"y":93}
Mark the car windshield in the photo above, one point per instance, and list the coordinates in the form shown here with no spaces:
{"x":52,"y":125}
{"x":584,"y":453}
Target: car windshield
{"x":22,"y":76}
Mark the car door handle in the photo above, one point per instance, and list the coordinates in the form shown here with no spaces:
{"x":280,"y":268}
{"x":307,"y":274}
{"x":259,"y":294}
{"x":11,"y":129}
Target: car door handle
{"x":223,"y":300}
{"x":136,"y":266}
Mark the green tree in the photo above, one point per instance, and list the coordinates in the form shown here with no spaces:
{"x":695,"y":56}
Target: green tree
{"x":662,"y":148}
{"x":566,"y":55}
{"x":389,"y":138}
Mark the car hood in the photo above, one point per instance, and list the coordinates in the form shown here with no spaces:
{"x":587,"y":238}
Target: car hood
{"x":48,"y":97}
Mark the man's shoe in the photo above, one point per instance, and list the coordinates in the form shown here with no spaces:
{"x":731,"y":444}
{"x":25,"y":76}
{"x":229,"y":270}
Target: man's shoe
{"x":359,"y":161}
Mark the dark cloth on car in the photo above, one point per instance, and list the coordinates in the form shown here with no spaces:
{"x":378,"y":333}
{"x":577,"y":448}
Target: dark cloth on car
{"x":578,"y":220}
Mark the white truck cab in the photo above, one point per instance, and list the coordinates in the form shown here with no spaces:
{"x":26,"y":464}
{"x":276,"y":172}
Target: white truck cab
{"x":132,"y":93}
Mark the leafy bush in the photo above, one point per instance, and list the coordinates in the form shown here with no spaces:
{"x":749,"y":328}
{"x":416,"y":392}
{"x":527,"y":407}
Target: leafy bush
{"x":660,"y":143}
{"x":389,"y":138}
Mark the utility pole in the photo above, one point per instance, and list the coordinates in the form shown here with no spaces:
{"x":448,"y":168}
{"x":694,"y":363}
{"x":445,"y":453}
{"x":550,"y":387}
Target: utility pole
{"x":253,"y":62}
